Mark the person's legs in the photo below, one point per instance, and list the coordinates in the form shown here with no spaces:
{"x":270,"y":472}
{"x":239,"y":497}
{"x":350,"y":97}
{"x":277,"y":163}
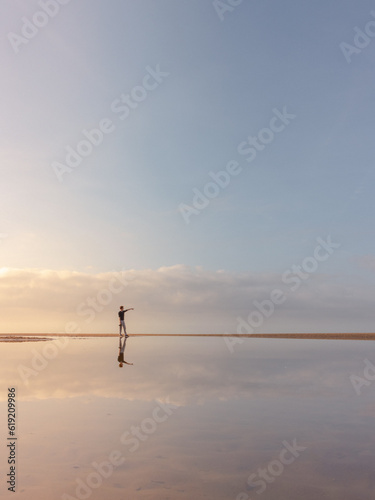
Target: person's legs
{"x":122,"y":324}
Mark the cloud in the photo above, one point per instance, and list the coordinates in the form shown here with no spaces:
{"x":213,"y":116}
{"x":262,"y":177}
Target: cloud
{"x":183,"y":371}
{"x":177,"y":299}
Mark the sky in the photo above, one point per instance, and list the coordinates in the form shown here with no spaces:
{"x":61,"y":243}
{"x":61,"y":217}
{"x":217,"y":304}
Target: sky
{"x":202,"y":151}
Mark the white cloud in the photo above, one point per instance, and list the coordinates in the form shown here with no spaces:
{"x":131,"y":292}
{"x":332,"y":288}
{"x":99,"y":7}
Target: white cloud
{"x":176,"y":299}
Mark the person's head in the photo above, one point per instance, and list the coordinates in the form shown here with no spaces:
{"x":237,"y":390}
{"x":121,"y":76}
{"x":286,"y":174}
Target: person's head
{"x":121,"y":365}
{"x":121,"y":308}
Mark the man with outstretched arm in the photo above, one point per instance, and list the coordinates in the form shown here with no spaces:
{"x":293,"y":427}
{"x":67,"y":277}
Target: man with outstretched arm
{"x":121,"y":315}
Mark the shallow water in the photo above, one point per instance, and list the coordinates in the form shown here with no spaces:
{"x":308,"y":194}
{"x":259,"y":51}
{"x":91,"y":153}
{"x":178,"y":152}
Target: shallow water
{"x":274,"y":419}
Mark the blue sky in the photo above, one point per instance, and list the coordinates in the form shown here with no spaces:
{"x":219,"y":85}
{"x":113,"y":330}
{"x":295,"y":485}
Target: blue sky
{"x":223,"y":79}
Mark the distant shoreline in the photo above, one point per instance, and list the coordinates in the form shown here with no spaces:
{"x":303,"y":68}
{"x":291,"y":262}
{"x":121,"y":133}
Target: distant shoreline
{"x":24,"y":337}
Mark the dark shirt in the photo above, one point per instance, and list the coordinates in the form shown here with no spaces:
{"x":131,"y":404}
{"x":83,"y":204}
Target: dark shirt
{"x":121,"y":315}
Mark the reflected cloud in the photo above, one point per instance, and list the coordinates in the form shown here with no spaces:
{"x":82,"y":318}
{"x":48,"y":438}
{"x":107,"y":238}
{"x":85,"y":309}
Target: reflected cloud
{"x":207,"y":372}
{"x":233,"y":414}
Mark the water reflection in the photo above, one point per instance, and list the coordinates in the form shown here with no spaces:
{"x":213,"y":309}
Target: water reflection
{"x":192,"y":420}
{"x":121,"y":354}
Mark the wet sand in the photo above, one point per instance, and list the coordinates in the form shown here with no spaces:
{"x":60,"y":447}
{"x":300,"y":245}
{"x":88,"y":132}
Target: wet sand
{"x":33,"y":337}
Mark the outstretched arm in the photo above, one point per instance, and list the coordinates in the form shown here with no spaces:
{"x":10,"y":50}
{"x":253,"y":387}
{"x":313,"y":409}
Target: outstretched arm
{"x":131,"y":309}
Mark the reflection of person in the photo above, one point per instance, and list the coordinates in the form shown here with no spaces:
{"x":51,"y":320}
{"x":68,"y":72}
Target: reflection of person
{"x":121,"y":315}
{"x":121,"y":353}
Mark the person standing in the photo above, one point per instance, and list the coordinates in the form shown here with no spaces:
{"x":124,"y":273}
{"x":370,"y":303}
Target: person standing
{"x":121,"y":315}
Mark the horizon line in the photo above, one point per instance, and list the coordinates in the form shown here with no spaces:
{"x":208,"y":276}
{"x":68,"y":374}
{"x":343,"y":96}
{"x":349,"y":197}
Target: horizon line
{"x":311,"y":336}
